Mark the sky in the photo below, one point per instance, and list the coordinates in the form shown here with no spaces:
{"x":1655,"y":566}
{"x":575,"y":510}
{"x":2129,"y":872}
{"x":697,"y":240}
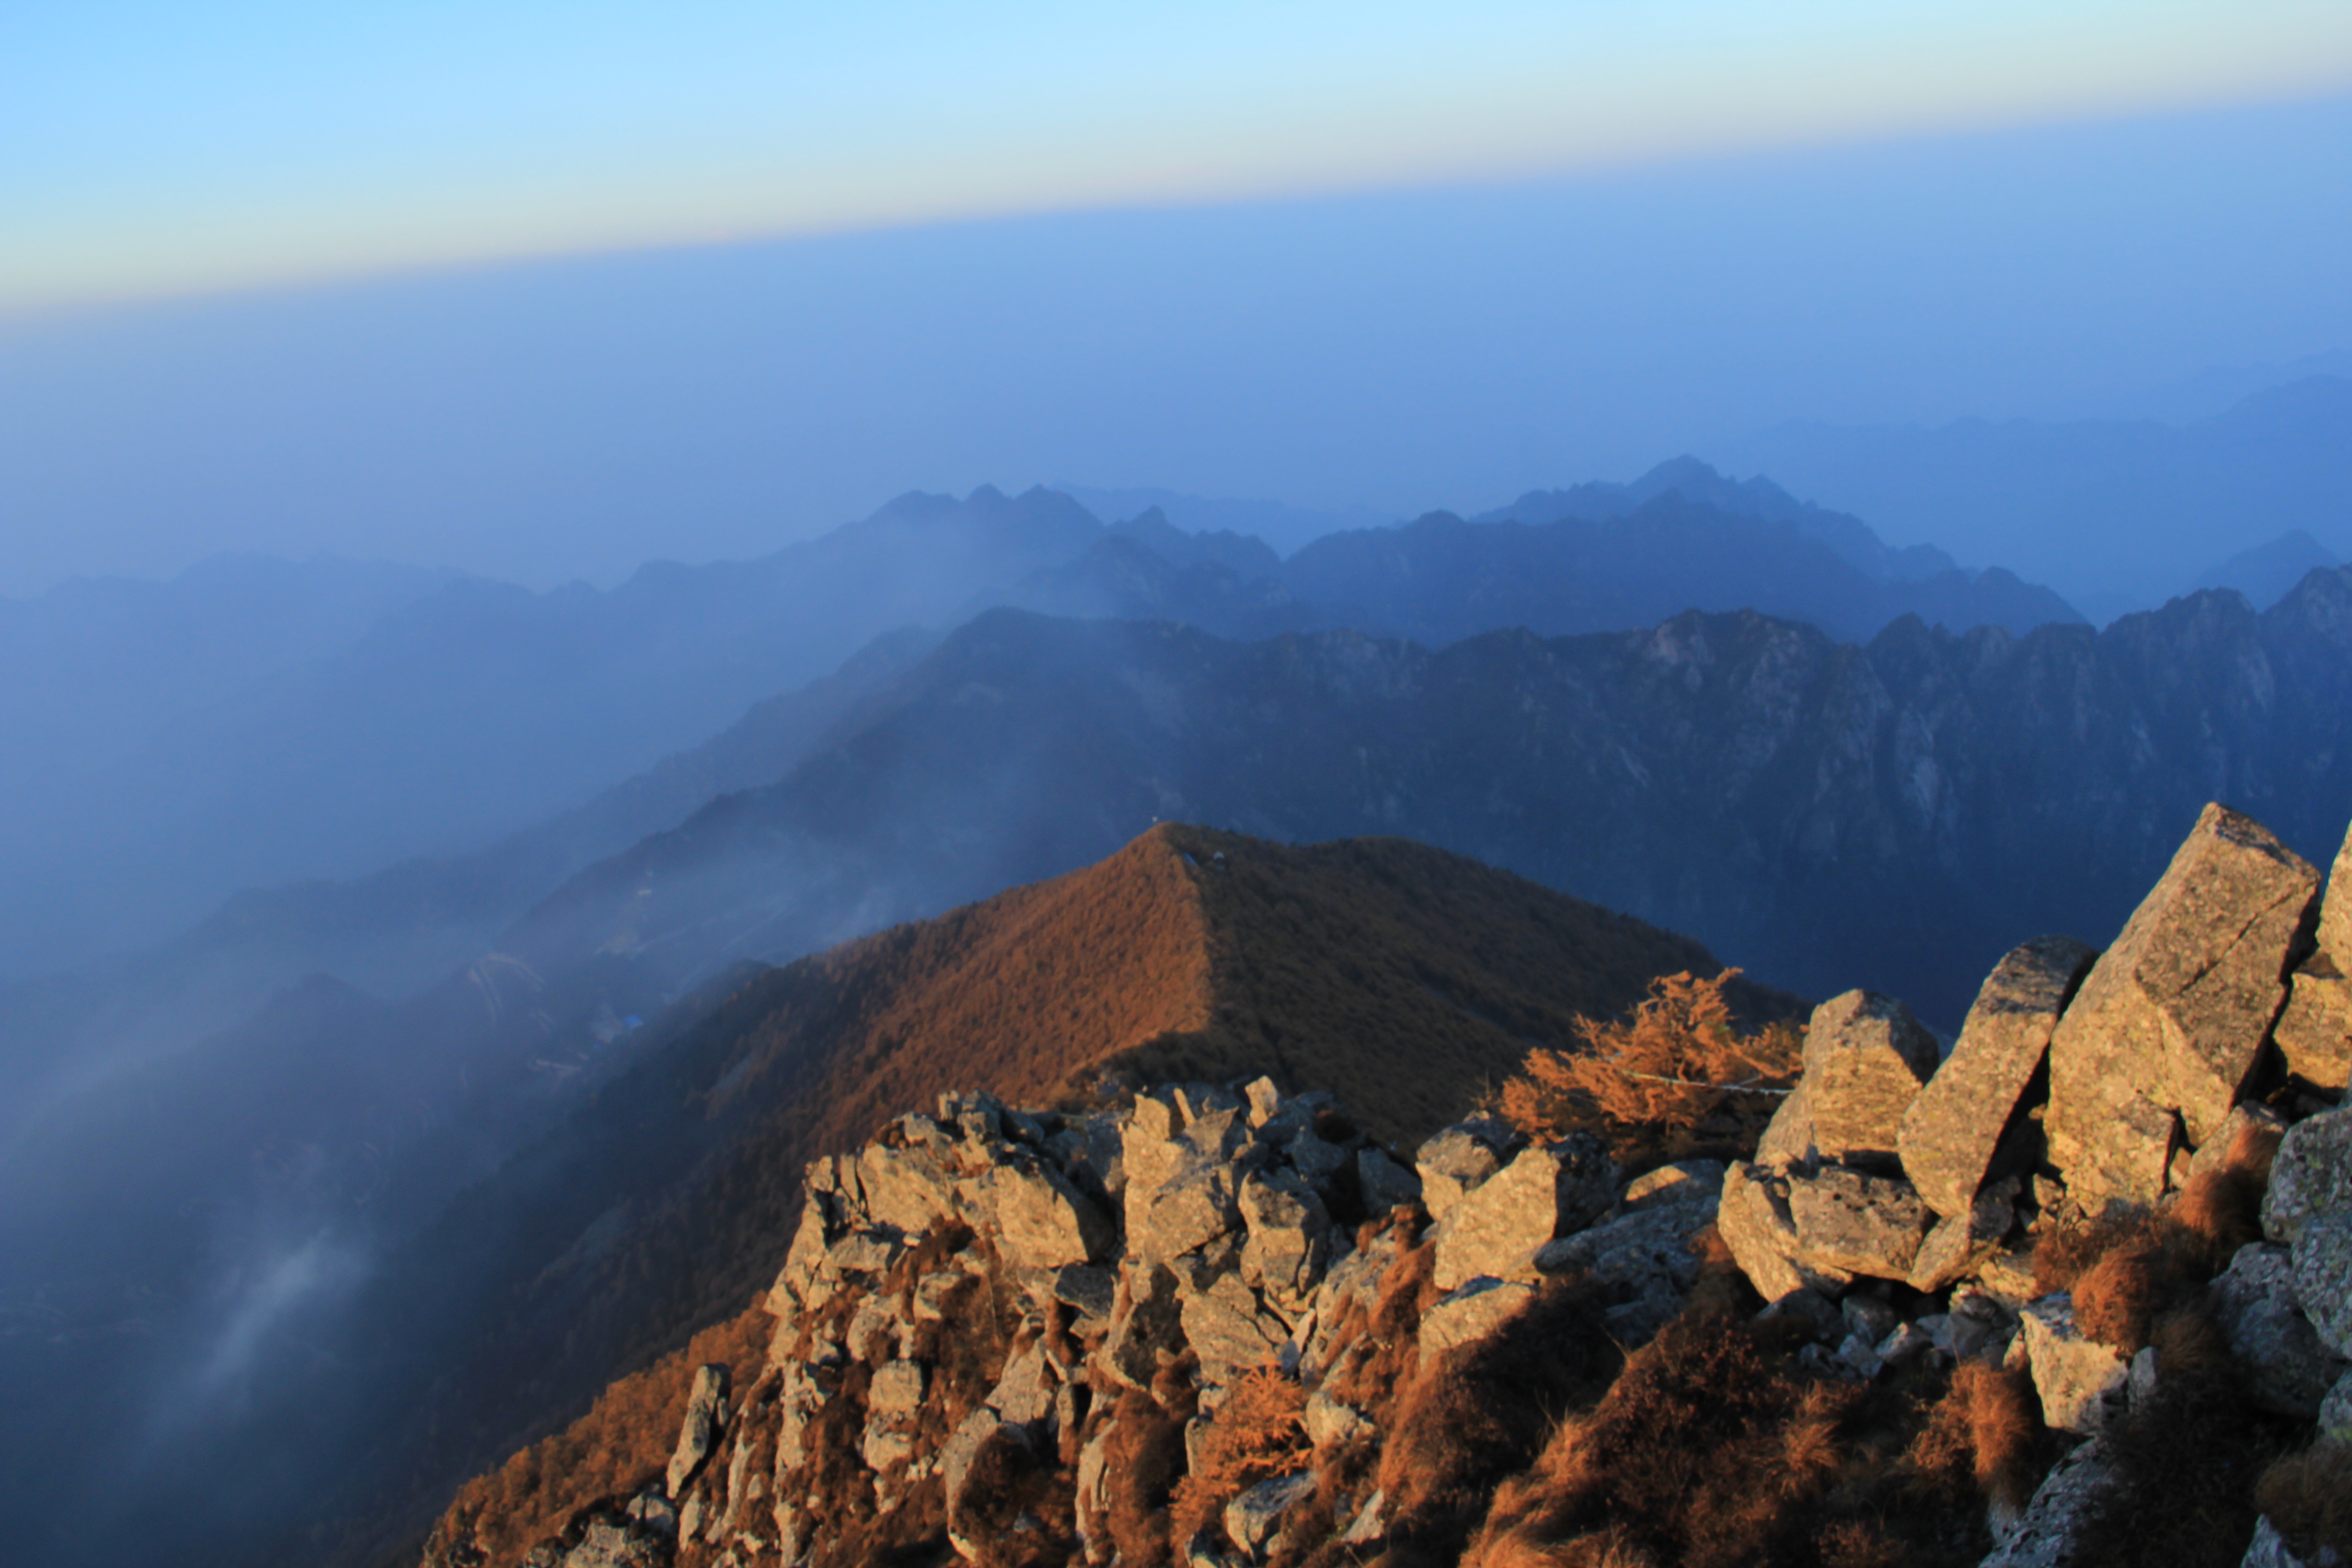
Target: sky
{"x":153,"y":148}
{"x":543,"y":291}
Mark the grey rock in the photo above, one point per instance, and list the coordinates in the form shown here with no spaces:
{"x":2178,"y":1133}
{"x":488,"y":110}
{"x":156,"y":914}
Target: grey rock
{"x":896,"y":1388}
{"x":1330,"y":1422}
{"x":1788,"y":1138}
{"x":1145,"y":1323}
{"x":1024,"y":1394}
{"x":1855,"y":1223}
{"x":2075,"y":1375}
{"x":2315,"y":1032}
{"x":698,"y":1431}
{"x":1253,"y":1520}
{"x":1191,"y":1208}
{"x":1457,"y":1159}
{"x":2323,"y":1278}
{"x":1906,"y":1344}
{"x":1956,"y":1245}
{"x":1756,"y":1223}
{"x":1871,"y":1318}
{"x":1369,"y":1523}
{"x":1384,"y":1184}
{"x":1684,"y":1182}
{"x":1866,"y":1060}
{"x":1644,"y":1253}
{"x":1813,"y":1312}
{"x":2312,"y":1175}
{"x":2335,"y":1410}
{"x":1289,"y":1234}
{"x":2050,"y":1533}
{"x":691,"y":1517}
{"x":1231,"y":1331}
{"x":1497,"y":1227}
{"x":905,"y":1188}
{"x":2171,"y":1019}
{"x":2268,"y":1549}
{"x":609,"y":1544}
{"x":1042,"y":1221}
{"x":1952,"y":1129}
{"x":2288,"y":1370}
{"x":1469,"y":1314}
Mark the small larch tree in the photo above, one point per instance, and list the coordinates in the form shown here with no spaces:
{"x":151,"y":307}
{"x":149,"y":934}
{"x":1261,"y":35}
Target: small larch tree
{"x":1678,"y":1077}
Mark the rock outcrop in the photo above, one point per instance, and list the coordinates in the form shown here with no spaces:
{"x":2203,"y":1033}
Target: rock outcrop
{"x":2161,"y":1041}
{"x":1216,"y":1308}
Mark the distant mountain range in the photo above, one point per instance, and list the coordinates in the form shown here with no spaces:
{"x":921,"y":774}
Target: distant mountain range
{"x":2116,"y":514}
{"x":255,"y":722}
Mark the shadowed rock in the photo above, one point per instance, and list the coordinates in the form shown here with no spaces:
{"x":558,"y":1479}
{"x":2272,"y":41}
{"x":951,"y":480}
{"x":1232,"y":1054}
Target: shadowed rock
{"x":1858,"y":1224}
{"x":1953,"y":1127}
{"x":2167,"y":1025}
{"x":2311,"y":1176}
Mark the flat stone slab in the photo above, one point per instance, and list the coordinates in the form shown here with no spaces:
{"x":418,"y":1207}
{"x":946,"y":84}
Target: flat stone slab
{"x":1866,"y":1060}
{"x":1953,"y":1127}
{"x":2168,"y":1024}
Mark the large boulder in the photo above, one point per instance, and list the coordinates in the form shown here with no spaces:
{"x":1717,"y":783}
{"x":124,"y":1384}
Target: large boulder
{"x":1041,"y":1219}
{"x":1456,"y":1161}
{"x":1756,"y":1224}
{"x":2171,"y":1019}
{"x":2053,"y":1531}
{"x":2311,"y":1176}
{"x":1470,"y":1314}
{"x":1953,"y":1127}
{"x":2315,"y":1032}
{"x":1289,"y":1234}
{"x":2288,"y":1370}
{"x":2323,"y":1278}
{"x":1497,"y":1227}
{"x":1852,"y":1221}
{"x":1866,"y":1060}
{"x":698,"y":1432}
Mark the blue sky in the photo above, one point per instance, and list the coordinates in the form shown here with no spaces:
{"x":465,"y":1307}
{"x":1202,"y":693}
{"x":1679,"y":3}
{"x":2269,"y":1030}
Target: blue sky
{"x":152,"y":149}
{"x":544,"y":291}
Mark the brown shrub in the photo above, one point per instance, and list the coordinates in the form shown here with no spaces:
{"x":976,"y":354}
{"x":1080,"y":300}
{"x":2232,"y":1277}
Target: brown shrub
{"x":1709,"y":1451}
{"x":2118,"y":1299}
{"x":1988,"y":1426}
{"x":1675,"y":1076}
{"x":1469,"y":1420}
{"x":2186,"y":1462}
{"x":2308,"y":1495}
{"x":2220,"y":1209}
{"x":1143,"y":1458}
{"x":1253,"y":1436}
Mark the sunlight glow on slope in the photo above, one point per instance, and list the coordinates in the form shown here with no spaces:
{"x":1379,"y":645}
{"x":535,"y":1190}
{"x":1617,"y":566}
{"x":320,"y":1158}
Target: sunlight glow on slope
{"x":161,"y":148}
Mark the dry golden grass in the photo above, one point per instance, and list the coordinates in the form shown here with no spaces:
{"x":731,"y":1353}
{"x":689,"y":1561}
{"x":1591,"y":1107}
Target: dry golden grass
{"x":1676,"y":1076}
{"x":1989,"y":1426}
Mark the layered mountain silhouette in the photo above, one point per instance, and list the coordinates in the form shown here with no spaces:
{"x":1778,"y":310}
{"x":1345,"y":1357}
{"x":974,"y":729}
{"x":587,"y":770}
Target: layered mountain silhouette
{"x":2114,"y":513}
{"x":661,"y":1202}
{"x":270,"y":725}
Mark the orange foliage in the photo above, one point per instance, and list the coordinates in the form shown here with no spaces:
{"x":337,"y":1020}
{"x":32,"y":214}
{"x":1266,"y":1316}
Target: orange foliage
{"x":1256,"y":1434}
{"x":1679,"y":1066}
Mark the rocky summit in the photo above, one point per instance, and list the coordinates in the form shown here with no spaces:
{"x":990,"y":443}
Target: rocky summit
{"x":2073,"y":1291}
